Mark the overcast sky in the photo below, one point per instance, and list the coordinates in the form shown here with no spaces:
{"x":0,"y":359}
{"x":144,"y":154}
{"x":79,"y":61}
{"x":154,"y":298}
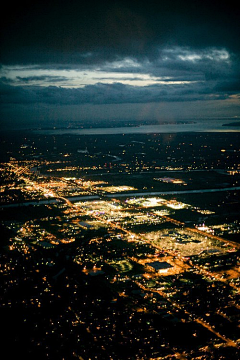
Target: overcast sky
{"x":144,"y":60}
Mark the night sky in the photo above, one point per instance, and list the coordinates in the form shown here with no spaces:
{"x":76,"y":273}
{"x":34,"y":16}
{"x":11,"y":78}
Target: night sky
{"x":141,"y":60}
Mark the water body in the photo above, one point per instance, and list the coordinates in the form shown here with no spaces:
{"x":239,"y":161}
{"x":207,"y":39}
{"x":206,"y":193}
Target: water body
{"x":196,"y":126}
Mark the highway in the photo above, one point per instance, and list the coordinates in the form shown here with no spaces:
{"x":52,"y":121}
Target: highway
{"x":178,"y":192}
{"x":181,"y":262}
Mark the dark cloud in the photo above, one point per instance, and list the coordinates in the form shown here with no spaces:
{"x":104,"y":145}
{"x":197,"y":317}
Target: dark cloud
{"x":116,"y":93}
{"x":46,"y":78}
{"x":186,"y":50}
{"x":66,"y":31}
{"x":230,"y":86}
{"x":209,"y":70}
{"x":185,"y":63}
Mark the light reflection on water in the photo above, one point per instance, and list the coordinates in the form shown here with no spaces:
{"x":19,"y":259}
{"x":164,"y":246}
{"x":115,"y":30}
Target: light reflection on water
{"x":196,"y":126}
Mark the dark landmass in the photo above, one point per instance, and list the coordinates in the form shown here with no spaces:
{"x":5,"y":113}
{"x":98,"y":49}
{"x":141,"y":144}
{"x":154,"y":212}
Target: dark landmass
{"x":112,"y":124}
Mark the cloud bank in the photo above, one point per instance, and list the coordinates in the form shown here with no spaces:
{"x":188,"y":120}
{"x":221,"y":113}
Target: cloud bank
{"x":75,"y":53}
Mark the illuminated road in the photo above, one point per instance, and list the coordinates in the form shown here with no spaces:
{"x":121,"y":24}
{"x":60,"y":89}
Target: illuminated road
{"x":135,"y":237}
{"x":181,"y":262}
{"x":179,"y":192}
{"x":214,"y":237}
{"x":228,"y":341}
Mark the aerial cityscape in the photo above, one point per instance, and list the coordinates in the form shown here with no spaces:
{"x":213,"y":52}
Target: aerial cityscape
{"x":126,"y":243}
{"x":120,"y":180}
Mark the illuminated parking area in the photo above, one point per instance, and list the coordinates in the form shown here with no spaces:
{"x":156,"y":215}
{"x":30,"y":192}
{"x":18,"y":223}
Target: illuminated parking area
{"x":176,"y":205}
{"x":186,"y":242}
{"x":163,"y":212}
{"x":102,"y":205}
{"x":170,"y":180}
{"x":115,"y":189}
{"x":117,"y":213}
{"x":122,"y":266}
{"x":148,"y":202}
{"x":166,"y":265}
